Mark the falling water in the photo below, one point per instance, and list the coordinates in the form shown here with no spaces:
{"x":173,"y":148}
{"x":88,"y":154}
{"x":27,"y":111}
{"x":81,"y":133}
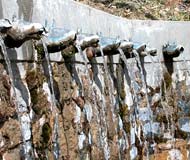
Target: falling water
{"x":110,"y":87}
{"x":161,"y":80}
{"x":8,"y":63}
{"x":146,"y":95}
{"x":88,"y":78}
{"x":53,"y":105}
{"x":23,"y":118}
{"x":133,"y":116}
{"x":110,"y":90}
{"x":102,"y":130}
{"x":143,"y":82}
{"x":163,"y":90}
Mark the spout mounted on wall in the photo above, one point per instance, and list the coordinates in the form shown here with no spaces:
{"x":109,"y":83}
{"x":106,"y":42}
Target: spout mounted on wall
{"x":148,"y":51}
{"x":21,"y":31}
{"x":143,"y":50}
{"x":139,"y":47}
{"x":127,"y":48}
{"x":106,"y":45}
{"x":151,"y":51}
{"x":86,"y":41}
{"x":58,"y":40}
{"x":172,"y":50}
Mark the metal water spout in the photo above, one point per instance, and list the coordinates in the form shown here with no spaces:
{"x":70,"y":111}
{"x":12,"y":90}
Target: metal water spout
{"x":148,"y":51}
{"x":172,"y":50}
{"x":127,"y":48}
{"x":139,"y":47}
{"x":142,"y":50}
{"x":151,"y":51}
{"x":86,"y":41}
{"x":22,"y":31}
{"x":108,"y":46}
{"x":58,"y":39}
{"x":5,"y":25}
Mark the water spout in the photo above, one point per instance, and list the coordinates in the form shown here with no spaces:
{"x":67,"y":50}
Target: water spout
{"x":21,"y":32}
{"x":108,"y":46}
{"x":127,"y":48}
{"x":86,"y":41}
{"x":58,"y":39}
{"x":172,"y":50}
{"x":148,"y":51}
{"x":139,"y":47}
{"x":53,"y":105}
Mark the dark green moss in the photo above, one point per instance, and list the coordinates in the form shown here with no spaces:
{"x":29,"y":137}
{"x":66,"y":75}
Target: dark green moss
{"x":123,"y":110}
{"x":46,"y":133}
{"x":31,"y":78}
{"x":69,"y":51}
{"x":181,"y":134}
{"x":167,"y":80}
{"x":35,"y":82}
{"x":126,"y":126}
{"x":40,"y":51}
{"x":34,"y":96}
{"x":122,"y":94}
{"x":161,"y":118}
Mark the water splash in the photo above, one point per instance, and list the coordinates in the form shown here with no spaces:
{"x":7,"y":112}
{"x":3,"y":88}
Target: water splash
{"x":136,"y":113}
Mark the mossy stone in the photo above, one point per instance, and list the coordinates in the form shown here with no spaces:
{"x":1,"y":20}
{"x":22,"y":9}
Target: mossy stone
{"x":46,"y":133}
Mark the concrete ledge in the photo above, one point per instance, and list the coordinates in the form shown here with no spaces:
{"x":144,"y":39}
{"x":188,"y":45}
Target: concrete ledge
{"x":73,"y":15}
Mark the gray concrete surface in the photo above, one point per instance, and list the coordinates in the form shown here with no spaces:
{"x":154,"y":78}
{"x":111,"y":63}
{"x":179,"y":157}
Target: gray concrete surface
{"x":73,"y":15}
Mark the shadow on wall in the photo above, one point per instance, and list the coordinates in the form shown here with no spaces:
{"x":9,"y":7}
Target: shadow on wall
{"x":1,"y":10}
{"x":17,"y":77}
{"x":25,"y":9}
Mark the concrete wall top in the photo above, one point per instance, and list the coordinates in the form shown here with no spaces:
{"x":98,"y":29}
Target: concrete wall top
{"x":73,"y":15}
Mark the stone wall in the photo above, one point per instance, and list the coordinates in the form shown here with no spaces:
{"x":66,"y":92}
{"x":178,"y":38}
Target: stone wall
{"x":101,"y":113}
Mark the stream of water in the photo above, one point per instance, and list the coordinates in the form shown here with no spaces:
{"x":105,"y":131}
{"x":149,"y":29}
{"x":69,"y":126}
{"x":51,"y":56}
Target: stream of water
{"x":137,"y":114}
{"x":101,"y":118}
{"x":110,"y":91}
{"x":53,"y":105}
{"x":23,"y":116}
{"x":134,"y":115}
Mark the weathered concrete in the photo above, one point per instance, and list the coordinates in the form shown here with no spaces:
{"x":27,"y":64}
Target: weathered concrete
{"x":74,"y":16}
